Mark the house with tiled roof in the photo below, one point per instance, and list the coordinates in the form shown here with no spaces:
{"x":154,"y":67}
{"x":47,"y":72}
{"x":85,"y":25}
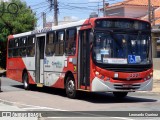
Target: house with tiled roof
{"x":139,"y":9}
{"x":134,"y":9}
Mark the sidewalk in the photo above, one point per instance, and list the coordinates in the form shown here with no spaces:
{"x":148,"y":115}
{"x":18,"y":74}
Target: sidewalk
{"x":156,"y":75}
{"x":156,"y":81}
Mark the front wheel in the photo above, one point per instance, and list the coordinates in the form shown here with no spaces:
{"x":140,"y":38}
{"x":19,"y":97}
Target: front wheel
{"x":120,"y":94}
{"x":70,"y":88}
{"x":25,"y":81}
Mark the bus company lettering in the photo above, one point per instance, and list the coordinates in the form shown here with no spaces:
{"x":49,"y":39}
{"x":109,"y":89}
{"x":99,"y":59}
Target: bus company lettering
{"x":58,"y":64}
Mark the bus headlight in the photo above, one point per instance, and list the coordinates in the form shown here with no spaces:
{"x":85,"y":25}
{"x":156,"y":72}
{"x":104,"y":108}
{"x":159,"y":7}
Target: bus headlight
{"x":96,"y":73}
{"x":149,"y":76}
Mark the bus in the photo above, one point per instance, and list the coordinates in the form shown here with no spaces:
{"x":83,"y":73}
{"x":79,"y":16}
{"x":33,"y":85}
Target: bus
{"x":108,"y":54}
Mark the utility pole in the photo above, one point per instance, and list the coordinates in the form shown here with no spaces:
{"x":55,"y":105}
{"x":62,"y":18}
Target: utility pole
{"x":153,"y":16}
{"x":98,"y":9}
{"x":104,"y":8}
{"x":149,"y":11}
{"x":55,"y":13}
{"x":54,"y":6}
{"x":44,"y":19}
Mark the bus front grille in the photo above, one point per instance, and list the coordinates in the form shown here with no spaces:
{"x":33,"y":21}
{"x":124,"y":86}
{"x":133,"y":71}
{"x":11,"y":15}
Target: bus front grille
{"x":126,"y":86}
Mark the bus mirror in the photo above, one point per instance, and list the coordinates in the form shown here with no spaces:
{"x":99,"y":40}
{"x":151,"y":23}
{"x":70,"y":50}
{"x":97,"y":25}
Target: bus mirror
{"x":91,"y":37}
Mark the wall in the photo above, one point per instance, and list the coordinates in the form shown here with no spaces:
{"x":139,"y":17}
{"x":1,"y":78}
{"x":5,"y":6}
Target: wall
{"x":135,"y":11}
{"x":156,"y":67}
{"x":115,"y":12}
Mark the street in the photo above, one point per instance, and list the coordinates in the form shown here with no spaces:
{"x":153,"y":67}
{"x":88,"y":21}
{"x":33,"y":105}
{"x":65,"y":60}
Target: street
{"x":50,"y":99}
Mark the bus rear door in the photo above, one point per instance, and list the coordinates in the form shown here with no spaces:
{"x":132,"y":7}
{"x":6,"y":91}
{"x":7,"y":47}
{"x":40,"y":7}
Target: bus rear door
{"x":39,"y":60}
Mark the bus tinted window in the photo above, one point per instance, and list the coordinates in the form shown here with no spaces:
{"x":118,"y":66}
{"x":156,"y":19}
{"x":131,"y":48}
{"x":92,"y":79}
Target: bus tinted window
{"x":10,"y":47}
{"x":23,"y":41}
{"x":59,"y":45}
{"x":50,"y":44}
{"x":11,"y":43}
{"x":31,"y":46}
{"x":16,"y":42}
{"x":22,"y":46}
{"x":15,"y":47}
{"x":70,"y":44}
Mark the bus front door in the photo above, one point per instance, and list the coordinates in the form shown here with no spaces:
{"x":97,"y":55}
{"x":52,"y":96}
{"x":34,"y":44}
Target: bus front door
{"x":39,"y":72}
{"x":84,"y":59}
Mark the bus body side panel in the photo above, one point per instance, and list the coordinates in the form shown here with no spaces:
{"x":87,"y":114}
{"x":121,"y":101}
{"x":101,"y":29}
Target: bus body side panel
{"x":15,"y":73}
{"x":21,"y":64}
{"x":53,"y":71}
{"x":30,"y":67}
{"x":56,"y":69}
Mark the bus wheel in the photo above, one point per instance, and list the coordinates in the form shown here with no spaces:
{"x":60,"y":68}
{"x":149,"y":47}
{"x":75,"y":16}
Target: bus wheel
{"x":120,"y":94}
{"x":70,"y":87}
{"x":25,"y":81}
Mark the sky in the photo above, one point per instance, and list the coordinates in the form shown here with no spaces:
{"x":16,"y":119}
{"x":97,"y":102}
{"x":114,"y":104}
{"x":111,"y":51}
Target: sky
{"x":76,"y":9}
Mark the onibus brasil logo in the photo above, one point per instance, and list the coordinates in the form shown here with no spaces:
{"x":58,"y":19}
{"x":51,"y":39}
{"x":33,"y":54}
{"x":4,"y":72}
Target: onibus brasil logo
{"x":11,"y":8}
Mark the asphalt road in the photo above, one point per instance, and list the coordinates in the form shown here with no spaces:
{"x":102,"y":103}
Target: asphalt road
{"x":49,"y":99}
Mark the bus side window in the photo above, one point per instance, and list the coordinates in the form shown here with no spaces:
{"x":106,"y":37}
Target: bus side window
{"x":70,"y":43}
{"x":31,"y":46}
{"x":10,"y":48}
{"x":22,"y":46}
{"x":15,"y":48}
{"x":50,"y":44}
{"x":59,"y":45}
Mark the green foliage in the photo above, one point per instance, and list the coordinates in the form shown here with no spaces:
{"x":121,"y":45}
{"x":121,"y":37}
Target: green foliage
{"x":22,"y":21}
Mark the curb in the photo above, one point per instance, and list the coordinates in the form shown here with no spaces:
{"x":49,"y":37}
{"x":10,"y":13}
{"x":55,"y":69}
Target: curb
{"x":7,"y":102}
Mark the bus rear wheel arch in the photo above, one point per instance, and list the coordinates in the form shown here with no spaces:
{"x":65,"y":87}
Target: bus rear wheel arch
{"x":25,"y":80}
{"x":120,"y":94}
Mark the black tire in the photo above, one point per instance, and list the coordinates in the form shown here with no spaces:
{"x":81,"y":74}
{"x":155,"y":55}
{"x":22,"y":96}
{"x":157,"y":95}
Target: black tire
{"x":120,"y":94}
{"x":70,"y":87}
{"x":25,"y":81}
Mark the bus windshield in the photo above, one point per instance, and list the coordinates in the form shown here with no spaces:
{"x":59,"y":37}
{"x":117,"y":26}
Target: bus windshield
{"x":122,"y":48}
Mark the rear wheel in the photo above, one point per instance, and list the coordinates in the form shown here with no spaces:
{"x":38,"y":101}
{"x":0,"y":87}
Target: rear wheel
{"x":25,"y":81}
{"x":70,"y":87}
{"x":120,"y":94}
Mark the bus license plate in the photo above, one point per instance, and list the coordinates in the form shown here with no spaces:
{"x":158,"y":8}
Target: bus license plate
{"x":127,"y":85}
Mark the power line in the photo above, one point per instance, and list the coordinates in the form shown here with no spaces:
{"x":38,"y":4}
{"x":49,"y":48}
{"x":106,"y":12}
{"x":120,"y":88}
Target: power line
{"x":40,"y":7}
{"x":41,"y":3}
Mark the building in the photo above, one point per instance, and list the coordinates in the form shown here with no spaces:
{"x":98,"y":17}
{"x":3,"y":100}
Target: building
{"x":66,"y":19}
{"x":139,"y":9}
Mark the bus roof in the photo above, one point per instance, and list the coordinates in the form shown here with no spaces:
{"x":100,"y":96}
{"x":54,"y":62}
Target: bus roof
{"x":68,"y":25}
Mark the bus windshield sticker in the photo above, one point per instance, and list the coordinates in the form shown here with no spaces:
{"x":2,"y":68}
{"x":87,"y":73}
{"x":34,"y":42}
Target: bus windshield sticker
{"x":138,"y":59}
{"x":33,"y":40}
{"x":132,"y":58}
{"x":61,"y":37}
{"x":98,"y":56}
{"x":114,"y":61}
{"x":104,"y":51}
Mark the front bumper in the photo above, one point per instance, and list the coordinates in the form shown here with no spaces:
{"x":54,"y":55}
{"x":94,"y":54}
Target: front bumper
{"x":99,"y":85}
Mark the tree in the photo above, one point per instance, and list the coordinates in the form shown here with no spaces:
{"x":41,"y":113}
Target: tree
{"x":15,"y":17}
